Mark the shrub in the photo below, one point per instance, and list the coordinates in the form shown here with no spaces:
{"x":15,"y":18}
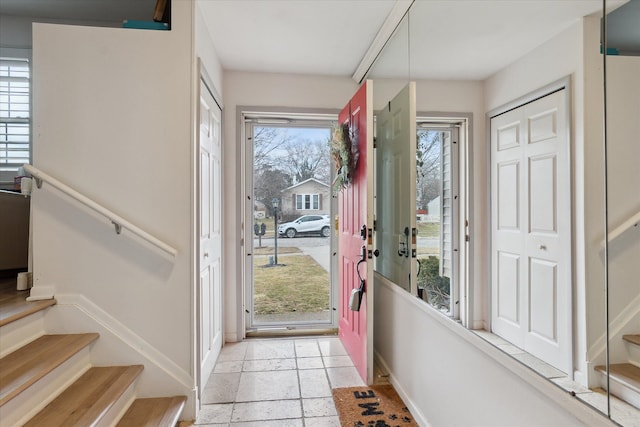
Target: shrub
{"x":437,"y":287}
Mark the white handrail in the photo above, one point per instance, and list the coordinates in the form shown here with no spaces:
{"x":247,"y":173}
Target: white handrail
{"x":115,"y":219}
{"x":633,"y":220}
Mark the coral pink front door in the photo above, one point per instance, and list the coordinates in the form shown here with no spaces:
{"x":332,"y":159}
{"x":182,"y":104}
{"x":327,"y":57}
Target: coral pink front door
{"x":355,"y":208}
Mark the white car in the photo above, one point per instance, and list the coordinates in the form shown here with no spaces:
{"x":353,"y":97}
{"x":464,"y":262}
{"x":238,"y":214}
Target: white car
{"x":306,"y":224}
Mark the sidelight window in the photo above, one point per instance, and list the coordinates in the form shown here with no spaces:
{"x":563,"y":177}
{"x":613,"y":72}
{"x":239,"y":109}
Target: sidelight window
{"x":436,"y":214}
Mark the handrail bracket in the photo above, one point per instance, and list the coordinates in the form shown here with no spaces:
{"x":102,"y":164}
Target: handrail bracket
{"x":38,"y":181}
{"x":117,"y":226}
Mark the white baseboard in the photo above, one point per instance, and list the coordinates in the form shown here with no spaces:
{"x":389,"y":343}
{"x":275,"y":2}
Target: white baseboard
{"x":231,"y":337}
{"x":418,"y":416}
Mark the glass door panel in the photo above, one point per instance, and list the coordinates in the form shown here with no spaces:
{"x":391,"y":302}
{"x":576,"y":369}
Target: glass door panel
{"x":436,"y":213}
{"x":290,"y":226}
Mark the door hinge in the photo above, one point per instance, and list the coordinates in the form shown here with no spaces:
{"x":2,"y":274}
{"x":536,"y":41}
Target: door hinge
{"x":375,"y":225}
{"x":375,"y":142}
{"x":466,"y":238}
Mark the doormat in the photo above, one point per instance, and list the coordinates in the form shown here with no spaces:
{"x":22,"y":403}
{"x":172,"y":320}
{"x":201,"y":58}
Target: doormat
{"x":372,"y":406}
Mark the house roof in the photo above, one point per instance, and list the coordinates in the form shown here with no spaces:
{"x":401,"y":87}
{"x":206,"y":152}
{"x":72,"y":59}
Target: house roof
{"x":304,"y":182}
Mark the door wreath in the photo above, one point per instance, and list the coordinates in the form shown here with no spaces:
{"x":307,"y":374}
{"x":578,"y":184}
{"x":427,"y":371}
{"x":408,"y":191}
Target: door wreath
{"x":344,"y":150}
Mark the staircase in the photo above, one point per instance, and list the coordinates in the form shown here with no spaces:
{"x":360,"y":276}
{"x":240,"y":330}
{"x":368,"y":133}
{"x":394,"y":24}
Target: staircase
{"x":48,"y":380}
{"x":625,"y":377}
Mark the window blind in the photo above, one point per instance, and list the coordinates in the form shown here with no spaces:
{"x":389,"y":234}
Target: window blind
{"x":15,"y":112}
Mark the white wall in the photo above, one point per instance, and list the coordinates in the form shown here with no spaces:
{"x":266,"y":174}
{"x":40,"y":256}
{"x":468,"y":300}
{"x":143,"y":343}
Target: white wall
{"x":490,"y":391}
{"x":206,"y":52}
{"x":113,"y":119}
{"x":446,"y":377}
{"x":15,"y":33}
{"x":560,"y":57}
{"x":575,"y":52}
{"x":623,"y":128}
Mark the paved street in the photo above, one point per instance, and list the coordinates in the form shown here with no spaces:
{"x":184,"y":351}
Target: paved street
{"x":316,"y":247}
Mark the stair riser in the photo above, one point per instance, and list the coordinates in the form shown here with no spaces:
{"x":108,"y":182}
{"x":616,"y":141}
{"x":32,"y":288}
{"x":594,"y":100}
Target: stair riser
{"x":16,"y":334}
{"x":634,"y":354}
{"x":119,"y":408}
{"x":24,"y":406}
{"x":625,"y":393}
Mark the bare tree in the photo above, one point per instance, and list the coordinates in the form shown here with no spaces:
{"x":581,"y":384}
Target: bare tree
{"x":266,"y":143}
{"x":429,"y":185}
{"x":307,"y":159}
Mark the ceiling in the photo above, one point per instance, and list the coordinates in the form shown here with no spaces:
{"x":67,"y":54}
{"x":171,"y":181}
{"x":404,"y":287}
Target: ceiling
{"x":452,"y":39}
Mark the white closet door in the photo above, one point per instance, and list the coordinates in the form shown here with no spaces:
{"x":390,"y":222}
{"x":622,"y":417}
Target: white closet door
{"x":531,"y":229}
{"x":210,"y":210}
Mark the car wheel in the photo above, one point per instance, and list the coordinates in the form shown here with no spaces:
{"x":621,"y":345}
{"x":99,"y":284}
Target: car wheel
{"x":326,"y":232}
{"x":291,"y":233}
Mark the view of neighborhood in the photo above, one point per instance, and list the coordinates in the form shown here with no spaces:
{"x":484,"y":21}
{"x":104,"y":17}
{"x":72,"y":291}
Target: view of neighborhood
{"x":292,"y":165}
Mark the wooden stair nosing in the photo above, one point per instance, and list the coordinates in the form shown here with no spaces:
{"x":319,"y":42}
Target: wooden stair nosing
{"x":625,"y":373}
{"x":28,"y":364}
{"x":87,"y":400}
{"x":632,"y":338}
{"x":18,"y":310}
{"x":152,"y":412}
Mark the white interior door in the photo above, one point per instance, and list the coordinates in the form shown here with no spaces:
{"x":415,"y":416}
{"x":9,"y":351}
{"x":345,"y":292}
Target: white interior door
{"x":396,"y":188}
{"x":531,"y":229}
{"x":210,"y":290}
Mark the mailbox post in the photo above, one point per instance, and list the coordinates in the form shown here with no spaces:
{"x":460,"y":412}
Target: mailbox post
{"x":259,"y":230}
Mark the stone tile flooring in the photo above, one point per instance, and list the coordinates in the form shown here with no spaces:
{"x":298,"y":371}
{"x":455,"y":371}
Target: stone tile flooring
{"x":277,"y":382}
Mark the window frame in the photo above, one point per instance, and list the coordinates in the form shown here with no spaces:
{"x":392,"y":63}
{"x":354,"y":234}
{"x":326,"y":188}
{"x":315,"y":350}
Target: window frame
{"x":464,"y":310}
{"x":454,"y":176}
{"x":9,"y":170}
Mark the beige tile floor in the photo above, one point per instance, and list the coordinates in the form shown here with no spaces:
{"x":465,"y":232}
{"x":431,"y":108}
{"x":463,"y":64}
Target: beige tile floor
{"x":277,"y":382}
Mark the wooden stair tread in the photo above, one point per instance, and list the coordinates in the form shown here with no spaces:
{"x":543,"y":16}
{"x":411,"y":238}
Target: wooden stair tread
{"x":153,"y":412}
{"x":85,"y":401}
{"x":33,"y":361}
{"x":625,"y":373}
{"x":14,"y":305}
{"x":633,"y":339}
